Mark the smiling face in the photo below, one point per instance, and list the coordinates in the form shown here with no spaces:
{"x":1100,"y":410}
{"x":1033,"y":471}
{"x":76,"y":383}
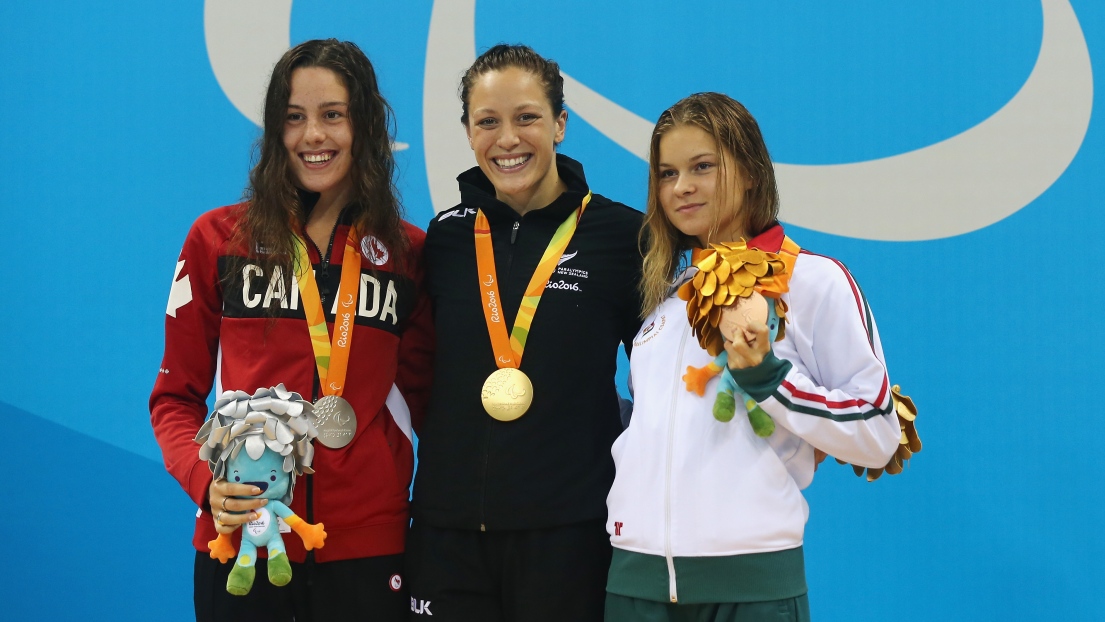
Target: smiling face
{"x":697,"y":196}
{"x":266,"y":473}
{"x":318,"y":133}
{"x":513,"y":132}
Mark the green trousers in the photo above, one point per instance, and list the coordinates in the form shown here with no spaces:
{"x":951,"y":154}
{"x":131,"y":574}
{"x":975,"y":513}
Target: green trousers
{"x":626,"y":609}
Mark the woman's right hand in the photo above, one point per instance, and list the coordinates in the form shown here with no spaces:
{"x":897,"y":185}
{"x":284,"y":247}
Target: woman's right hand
{"x":228,"y":511}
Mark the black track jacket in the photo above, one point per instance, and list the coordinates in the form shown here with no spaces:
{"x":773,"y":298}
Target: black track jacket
{"x":552,"y":466}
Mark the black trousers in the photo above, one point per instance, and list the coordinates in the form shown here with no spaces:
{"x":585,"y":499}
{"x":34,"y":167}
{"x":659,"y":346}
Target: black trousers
{"x":370,"y":589}
{"x":556,"y":574}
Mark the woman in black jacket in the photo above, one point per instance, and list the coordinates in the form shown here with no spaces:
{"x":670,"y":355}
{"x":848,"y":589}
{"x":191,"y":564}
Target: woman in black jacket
{"x":514,"y":459}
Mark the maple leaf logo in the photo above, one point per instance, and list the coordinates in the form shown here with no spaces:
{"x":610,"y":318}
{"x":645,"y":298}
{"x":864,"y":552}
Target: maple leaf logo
{"x":181,"y":293}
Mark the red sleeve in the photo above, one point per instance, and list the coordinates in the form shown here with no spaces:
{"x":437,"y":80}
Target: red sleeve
{"x":178,"y":404}
{"x":416,"y":344}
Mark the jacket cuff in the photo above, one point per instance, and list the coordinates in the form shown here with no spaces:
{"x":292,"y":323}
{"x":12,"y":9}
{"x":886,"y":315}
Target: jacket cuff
{"x":760,"y":382}
{"x":199,"y":480}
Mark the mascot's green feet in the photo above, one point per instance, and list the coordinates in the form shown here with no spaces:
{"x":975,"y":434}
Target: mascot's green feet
{"x":241,"y":579}
{"x":724,"y":407}
{"x":280,"y":571}
{"x":762,"y":423}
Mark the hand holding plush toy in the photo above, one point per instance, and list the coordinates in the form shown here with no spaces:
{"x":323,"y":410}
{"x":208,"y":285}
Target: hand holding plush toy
{"x":275,"y":428}
{"x":749,"y":326}
{"x":726,"y":305}
{"x":735,"y":294}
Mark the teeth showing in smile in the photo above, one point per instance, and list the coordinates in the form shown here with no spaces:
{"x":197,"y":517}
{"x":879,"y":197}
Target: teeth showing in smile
{"x":315,"y":158}
{"x":512,"y":162}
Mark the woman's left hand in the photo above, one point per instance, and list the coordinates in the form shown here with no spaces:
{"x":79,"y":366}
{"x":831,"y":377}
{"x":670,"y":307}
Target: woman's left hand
{"x":751,"y":350}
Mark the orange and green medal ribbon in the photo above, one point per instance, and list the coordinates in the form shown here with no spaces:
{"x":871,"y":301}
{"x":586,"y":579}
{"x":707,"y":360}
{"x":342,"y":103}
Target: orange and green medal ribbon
{"x":788,"y":252}
{"x":508,"y":351}
{"x":332,"y":358}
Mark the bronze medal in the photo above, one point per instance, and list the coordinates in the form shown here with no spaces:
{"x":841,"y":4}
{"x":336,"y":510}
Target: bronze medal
{"x":507,"y":394}
{"x":335,"y":420}
{"x":736,"y":318}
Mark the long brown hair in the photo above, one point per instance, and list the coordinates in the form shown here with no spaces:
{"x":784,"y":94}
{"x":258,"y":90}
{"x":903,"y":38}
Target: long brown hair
{"x":274,"y":206}
{"x":738,"y":138}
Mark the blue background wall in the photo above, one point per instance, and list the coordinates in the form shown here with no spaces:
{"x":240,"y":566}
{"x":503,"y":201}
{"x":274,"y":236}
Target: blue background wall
{"x":117,"y":134}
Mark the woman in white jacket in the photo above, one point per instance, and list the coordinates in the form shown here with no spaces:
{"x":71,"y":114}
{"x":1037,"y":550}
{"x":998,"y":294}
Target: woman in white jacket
{"x":706,"y":516}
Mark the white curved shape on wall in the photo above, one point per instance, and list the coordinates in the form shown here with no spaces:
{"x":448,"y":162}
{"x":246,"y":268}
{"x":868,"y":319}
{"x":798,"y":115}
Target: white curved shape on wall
{"x":245,"y":38}
{"x":623,"y":127}
{"x":450,"y":50}
{"x":955,"y":186}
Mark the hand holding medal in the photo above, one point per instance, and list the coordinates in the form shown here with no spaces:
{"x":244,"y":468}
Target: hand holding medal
{"x":744,"y":326}
{"x":739,"y":318}
{"x":728,"y":308}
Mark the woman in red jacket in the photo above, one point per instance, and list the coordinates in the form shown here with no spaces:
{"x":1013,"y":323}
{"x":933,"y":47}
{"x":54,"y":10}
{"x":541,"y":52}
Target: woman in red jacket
{"x":238,"y":318}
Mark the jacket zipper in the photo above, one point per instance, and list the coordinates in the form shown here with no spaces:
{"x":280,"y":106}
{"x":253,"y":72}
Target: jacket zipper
{"x":513,"y":237}
{"x":672,"y":593}
{"x":325,"y":261}
{"x":483,"y":490}
{"x":310,"y":561}
{"x":490,"y":423}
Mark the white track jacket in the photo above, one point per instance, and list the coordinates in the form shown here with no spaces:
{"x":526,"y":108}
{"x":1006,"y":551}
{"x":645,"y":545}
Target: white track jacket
{"x":690,"y":487}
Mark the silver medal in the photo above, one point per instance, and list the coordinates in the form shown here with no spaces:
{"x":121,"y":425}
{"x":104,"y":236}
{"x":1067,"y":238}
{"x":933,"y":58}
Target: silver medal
{"x":335,"y":420}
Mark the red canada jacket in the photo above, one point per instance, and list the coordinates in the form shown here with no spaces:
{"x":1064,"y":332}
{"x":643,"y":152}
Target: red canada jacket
{"x":230,"y":324}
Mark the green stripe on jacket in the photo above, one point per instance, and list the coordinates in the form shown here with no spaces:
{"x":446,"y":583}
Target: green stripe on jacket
{"x":730,"y":579}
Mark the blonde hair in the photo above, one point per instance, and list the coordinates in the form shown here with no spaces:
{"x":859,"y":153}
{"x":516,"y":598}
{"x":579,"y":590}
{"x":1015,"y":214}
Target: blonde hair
{"x":738,"y":138}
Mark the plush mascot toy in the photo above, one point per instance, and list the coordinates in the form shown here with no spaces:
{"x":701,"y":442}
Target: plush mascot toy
{"x":263,"y":440}
{"x":736,"y":286}
{"x":726,"y":295}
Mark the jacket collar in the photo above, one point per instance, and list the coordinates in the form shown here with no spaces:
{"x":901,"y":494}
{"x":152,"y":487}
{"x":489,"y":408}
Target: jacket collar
{"x":770,"y":240}
{"x":309,"y":199}
{"x":476,"y":191}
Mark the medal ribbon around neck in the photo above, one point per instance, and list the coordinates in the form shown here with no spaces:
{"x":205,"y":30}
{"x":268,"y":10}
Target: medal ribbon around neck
{"x":788,"y":252}
{"x":508,"y":352}
{"x":332,"y":360}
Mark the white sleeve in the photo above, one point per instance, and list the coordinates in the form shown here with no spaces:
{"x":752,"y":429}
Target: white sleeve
{"x":826,"y":381}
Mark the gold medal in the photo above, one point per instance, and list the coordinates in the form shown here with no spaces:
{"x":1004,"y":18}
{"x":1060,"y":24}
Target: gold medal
{"x":335,"y":420}
{"x":507,"y":394}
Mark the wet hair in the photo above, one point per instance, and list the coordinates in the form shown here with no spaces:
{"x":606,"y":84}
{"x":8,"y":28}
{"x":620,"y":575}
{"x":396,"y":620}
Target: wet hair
{"x":503,"y":56}
{"x":275,"y":204}
{"x":741,"y":146}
